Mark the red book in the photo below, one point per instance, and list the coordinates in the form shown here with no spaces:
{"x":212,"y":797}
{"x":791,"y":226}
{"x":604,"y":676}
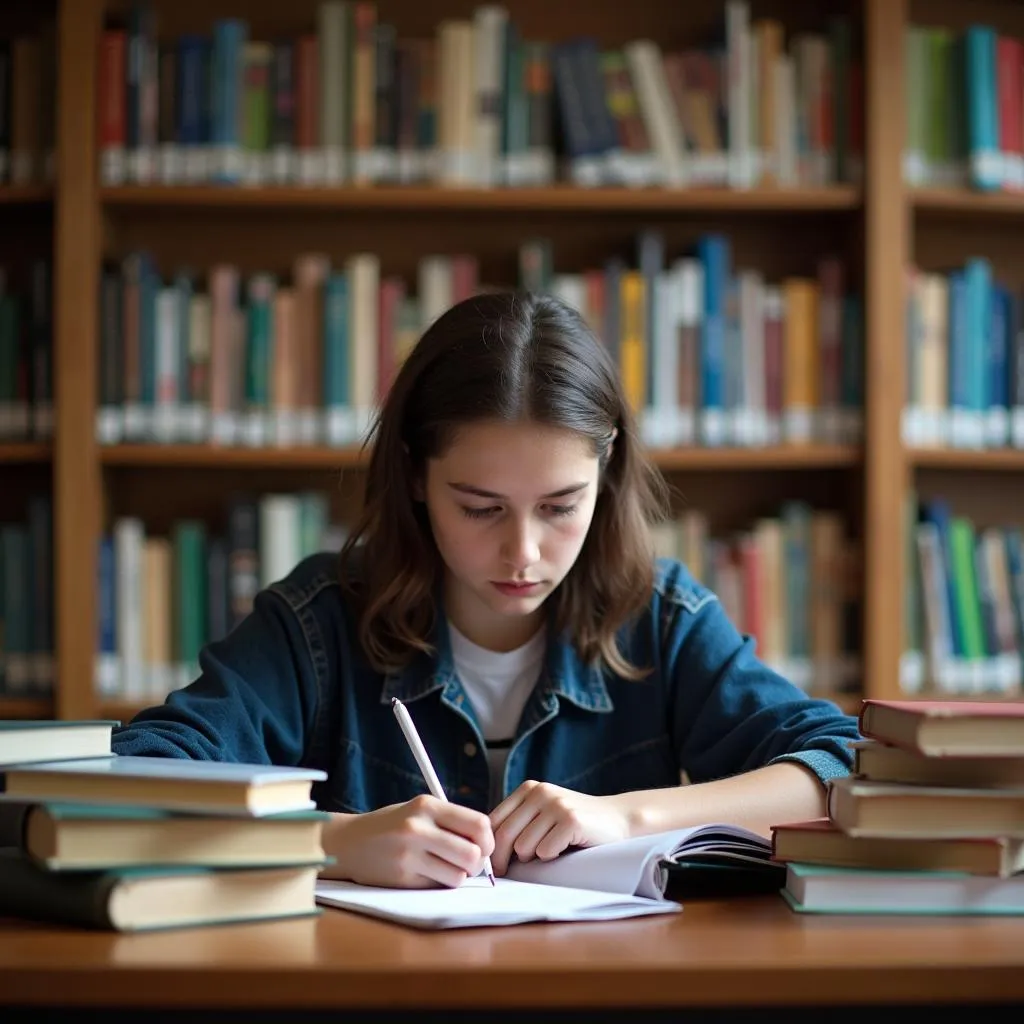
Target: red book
{"x":947,"y":728}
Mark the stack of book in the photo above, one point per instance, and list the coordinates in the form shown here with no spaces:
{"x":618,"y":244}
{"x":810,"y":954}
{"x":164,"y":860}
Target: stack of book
{"x":93,"y":839}
{"x":930,"y":821}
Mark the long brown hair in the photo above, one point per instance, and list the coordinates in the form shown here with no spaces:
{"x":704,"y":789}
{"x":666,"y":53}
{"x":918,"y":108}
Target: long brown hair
{"x":509,"y":357}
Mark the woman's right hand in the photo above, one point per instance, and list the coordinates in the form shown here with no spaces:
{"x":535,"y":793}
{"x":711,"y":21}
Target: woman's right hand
{"x":421,"y":844}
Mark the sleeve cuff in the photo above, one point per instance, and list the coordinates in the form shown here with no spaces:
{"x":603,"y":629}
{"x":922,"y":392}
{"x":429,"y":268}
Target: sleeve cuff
{"x":825,"y":765}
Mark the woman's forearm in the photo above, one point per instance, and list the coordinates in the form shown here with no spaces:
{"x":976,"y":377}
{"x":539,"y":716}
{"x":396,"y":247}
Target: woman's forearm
{"x":767,"y":796}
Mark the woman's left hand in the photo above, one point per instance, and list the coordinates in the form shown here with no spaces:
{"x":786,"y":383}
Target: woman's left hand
{"x":541,"y":820}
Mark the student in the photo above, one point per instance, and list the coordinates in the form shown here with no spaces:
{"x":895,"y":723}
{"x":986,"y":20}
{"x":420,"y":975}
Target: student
{"x":501,"y":582}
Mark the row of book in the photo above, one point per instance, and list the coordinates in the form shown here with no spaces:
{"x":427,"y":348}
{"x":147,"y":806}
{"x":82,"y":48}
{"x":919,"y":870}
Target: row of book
{"x":929,"y":821}
{"x":964,"y":107}
{"x":163,"y":597}
{"x":964,"y":603}
{"x":965,"y":358}
{"x":709,"y":353}
{"x":350,"y":98}
{"x":26,"y":354}
{"x":28,"y":106}
{"x":789,"y":580}
{"x":26,"y":601}
{"x":128,"y":844}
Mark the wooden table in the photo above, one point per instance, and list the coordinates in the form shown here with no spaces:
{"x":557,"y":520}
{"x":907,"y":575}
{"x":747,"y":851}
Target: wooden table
{"x":744,"y":953}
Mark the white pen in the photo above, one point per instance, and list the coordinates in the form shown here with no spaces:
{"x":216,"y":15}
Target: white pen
{"x":418,"y":751}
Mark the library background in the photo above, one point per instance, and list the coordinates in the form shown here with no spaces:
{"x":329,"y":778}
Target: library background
{"x":796,"y":226}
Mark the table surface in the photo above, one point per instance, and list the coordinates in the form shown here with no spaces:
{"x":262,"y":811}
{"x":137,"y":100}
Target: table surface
{"x":735,"y":953}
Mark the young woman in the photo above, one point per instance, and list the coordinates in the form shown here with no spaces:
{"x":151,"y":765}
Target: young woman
{"x":501,"y":583}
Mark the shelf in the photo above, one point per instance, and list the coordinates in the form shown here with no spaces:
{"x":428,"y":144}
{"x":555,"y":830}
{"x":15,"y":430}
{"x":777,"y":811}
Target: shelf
{"x":28,"y":451}
{"x":25,"y":195}
{"x":25,"y":708}
{"x":966,"y":201}
{"x":555,"y":199}
{"x":787,"y":456}
{"x":999,"y":459}
{"x":197,"y":456}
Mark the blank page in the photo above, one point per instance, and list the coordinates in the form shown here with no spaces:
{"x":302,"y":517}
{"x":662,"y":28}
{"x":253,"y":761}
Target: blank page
{"x":476,"y":903}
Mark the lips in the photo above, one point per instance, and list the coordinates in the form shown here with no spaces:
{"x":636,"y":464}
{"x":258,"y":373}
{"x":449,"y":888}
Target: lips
{"x":516,"y":588}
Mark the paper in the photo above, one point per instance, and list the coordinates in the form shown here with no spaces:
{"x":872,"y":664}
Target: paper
{"x":633,"y":866}
{"x":601,"y":883}
{"x":475,"y":903}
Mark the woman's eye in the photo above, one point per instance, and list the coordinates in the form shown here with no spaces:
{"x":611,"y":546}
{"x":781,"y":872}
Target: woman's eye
{"x":561,"y":510}
{"x":478,"y":513}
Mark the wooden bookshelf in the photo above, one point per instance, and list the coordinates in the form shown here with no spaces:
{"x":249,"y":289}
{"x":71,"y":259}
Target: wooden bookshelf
{"x":1002,"y":460}
{"x":967,"y":202}
{"x":25,"y":195}
{"x":554,"y":199}
{"x":25,"y":708}
{"x":876,"y":227}
{"x":26,"y":452}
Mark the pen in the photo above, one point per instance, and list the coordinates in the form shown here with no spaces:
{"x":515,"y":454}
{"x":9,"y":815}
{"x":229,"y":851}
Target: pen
{"x":418,"y":751}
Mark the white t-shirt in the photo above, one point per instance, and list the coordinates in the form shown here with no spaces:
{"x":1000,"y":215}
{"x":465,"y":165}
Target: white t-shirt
{"x":498,"y":685}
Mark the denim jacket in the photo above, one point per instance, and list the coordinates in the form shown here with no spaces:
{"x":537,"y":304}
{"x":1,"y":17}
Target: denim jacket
{"x":290,"y":685}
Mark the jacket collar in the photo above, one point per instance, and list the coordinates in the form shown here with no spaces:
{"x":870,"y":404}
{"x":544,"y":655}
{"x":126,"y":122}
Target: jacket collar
{"x":565,"y":675}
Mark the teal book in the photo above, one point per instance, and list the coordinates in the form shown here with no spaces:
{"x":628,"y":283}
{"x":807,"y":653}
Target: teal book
{"x":816,"y":889}
{"x":145,"y":899}
{"x":25,"y":741}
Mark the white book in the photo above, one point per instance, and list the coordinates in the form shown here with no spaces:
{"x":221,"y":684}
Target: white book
{"x":489,"y":23}
{"x":280,"y":550}
{"x":129,"y":538}
{"x":602,"y":883}
{"x":647,"y":70}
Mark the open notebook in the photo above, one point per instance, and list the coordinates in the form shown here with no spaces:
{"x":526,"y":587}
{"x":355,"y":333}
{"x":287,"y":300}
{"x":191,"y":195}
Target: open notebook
{"x":625,"y":879}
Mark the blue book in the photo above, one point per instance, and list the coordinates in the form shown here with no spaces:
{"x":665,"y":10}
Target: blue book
{"x":713,"y":252}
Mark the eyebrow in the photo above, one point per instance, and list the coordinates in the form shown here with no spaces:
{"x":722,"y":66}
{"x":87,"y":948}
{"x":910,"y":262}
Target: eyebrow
{"x":479,"y":492}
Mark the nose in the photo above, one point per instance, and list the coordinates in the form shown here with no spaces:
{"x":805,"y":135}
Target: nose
{"x":520,"y":546}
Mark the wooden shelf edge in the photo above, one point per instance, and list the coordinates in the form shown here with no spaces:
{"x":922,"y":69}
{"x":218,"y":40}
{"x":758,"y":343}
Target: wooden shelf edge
{"x":143,"y":456}
{"x":28,"y":451}
{"x":557,"y":198}
{"x":998,"y":459}
{"x":965,"y":200}
{"x":25,"y":195}
{"x":25,"y":708}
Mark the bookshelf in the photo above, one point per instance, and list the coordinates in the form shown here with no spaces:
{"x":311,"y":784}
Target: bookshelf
{"x":875,"y":225}
{"x":27,"y":203}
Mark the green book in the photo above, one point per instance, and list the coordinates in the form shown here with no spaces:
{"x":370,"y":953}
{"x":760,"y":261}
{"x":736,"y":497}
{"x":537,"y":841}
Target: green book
{"x":816,"y":889}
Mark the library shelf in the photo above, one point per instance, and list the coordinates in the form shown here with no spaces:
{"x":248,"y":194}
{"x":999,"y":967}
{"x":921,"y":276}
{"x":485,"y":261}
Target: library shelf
{"x":140,"y":456}
{"x":25,"y":708}
{"x":24,"y":451}
{"x":426,"y":199}
{"x":25,"y":195}
{"x":966,"y":201}
{"x":1004,"y":459}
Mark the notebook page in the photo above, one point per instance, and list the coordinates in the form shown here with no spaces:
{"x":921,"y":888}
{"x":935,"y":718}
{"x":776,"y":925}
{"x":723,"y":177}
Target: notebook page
{"x":628,"y":867}
{"x":632,"y":866}
{"x":476,"y":903}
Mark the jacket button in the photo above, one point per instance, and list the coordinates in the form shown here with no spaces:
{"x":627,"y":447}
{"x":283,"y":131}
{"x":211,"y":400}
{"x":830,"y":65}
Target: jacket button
{"x":469,"y":750}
